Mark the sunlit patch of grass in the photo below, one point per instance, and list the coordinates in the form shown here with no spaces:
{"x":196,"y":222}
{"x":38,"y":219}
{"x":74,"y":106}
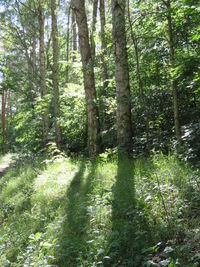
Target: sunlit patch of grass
{"x":51,"y":184}
{"x":6,"y":159}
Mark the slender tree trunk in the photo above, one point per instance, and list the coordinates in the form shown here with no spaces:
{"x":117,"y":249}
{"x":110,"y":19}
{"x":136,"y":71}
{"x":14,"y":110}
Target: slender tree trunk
{"x":88,"y":73}
{"x":103,"y":46}
{"x":74,"y":35}
{"x":54,"y":8}
{"x":140,"y":83}
{"x":68,"y":31}
{"x":3,"y":123}
{"x":94,"y":22}
{"x":173,"y":81}
{"x":124,"y":125}
{"x":34,"y":59}
{"x":134,"y":39}
{"x":43,"y":88}
{"x":103,"y":92}
{"x":7,"y":117}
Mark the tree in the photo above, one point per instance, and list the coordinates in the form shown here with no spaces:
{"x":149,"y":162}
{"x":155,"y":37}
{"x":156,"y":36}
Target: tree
{"x":94,"y":21}
{"x":43,"y":88}
{"x":56,"y":97}
{"x":89,"y":83}
{"x":173,"y":81}
{"x":124,"y":127}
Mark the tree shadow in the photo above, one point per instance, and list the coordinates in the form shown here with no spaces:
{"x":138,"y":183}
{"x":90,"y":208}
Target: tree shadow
{"x":73,"y":245}
{"x":123,"y":207}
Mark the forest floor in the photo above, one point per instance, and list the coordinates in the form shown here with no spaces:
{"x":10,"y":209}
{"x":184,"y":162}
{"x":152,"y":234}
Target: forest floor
{"x":71,"y":212}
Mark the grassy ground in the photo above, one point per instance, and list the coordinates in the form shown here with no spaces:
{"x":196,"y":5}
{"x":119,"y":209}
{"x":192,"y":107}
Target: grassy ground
{"x":64,"y":212}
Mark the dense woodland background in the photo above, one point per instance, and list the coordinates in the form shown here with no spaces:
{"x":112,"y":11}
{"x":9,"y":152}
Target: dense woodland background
{"x":116,"y":82}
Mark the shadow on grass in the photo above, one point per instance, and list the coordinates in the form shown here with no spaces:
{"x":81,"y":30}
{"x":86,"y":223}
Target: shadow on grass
{"x":73,"y":246}
{"x":123,"y":207}
{"x":15,"y":208}
{"x":130,"y":229}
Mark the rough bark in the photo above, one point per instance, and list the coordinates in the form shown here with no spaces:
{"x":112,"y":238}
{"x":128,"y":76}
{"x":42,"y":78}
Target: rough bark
{"x":124,"y":126}
{"x":43,"y":88}
{"x":88,"y":73}
{"x":55,"y":70}
{"x":173,"y":81}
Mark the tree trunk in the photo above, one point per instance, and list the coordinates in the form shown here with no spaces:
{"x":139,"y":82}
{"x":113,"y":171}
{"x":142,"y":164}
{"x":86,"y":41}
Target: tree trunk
{"x":94,"y":22}
{"x":54,"y":8}
{"x":3,"y":123}
{"x":74,"y":34}
{"x":7,"y":117}
{"x":43,"y":88}
{"x":34,"y":59}
{"x":140,"y":83}
{"x":134,"y":39}
{"x":89,"y":83}
{"x":103,"y":46}
{"x":173,"y":81}
{"x":68,"y":31}
{"x":124,"y":125}
{"x":105,"y":119}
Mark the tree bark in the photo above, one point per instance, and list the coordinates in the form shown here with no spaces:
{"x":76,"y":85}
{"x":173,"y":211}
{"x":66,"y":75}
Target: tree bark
{"x":54,"y":7}
{"x":43,"y":88}
{"x":124,"y":125}
{"x":173,"y":81}
{"x":89,"y":83}
{"x":94,"y":22}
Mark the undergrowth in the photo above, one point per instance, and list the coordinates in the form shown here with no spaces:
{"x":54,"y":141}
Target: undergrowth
{"x":67,"y":212}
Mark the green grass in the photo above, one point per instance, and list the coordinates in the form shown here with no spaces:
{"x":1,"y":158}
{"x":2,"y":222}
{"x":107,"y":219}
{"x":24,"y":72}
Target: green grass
{"x":65,"y":212}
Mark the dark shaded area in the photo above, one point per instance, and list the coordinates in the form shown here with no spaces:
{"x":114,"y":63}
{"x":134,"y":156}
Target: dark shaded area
{"x":73,"y":245}
{"x":130,"y":230}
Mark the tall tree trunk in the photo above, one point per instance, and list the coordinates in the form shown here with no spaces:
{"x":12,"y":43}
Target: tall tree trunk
{"x":74,"y":35}
{"x":34,"y":59}
{"x":104,"y":92}
{"x":68,"y":31}
{"x":140,"y":83}
{"x":173,"y":81}
{"x":134,"y":39}
{"x":124,"y":126}
{"x":94,"y":22}
{"x":103,"y":45}
{"x":88,"y":73}
{"x":7,"y":117}
{"x":3,"y":123}
{"x":43,"y":88}
{"x":54,"y":7}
